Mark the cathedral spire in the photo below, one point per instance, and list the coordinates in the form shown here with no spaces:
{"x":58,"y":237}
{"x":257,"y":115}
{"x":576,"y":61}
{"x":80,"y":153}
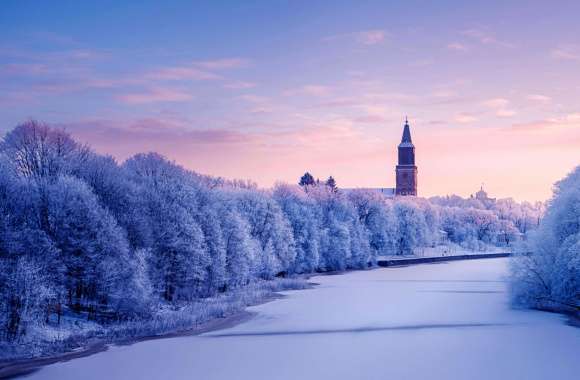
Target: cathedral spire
{"x":406,"y":133}
{"x":406,"y":169}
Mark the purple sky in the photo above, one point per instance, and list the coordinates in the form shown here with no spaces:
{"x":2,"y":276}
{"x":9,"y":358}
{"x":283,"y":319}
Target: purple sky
{"x":267,"y":90}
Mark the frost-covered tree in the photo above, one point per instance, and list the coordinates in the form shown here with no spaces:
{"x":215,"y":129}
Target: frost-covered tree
{"x":412,"y":227}
{"x":240,"y":249}
{"x":84,"y":236}
{"x":120,"y":194}
{"x":376,"y":214}
{"x":90,"y":242}
{"x":179,"y":259}
{"x":343,"y":240}
{"x":39,"y":151}
{"x":548,"y":274}
{"x":302,"y":213}
{"x":270,"y":229}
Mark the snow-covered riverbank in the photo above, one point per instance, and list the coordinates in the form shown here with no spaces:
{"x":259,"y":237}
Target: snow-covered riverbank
{"x":436,"y":321}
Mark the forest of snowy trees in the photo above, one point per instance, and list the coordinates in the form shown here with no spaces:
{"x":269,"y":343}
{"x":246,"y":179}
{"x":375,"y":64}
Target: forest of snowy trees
{"x":548,"y":275}
{"x":86,"y":239}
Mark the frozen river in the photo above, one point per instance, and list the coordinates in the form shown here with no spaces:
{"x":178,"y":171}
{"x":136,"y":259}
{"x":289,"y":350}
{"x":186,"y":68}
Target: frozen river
{"x":432,"y":321}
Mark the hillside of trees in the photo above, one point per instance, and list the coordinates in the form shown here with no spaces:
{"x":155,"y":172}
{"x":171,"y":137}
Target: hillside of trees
{"x":548,"y":275}
{"x":89,"y":245}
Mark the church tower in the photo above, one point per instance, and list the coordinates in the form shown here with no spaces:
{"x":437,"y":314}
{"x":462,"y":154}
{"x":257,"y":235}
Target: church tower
{"x":406,"y":169}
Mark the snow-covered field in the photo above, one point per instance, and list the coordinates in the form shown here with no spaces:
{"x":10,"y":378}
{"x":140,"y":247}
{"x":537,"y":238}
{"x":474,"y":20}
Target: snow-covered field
{"x":433,"y":321}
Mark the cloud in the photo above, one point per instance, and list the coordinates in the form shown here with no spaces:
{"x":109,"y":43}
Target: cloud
{"x":311,"y":90}
{"x":496,"y":103}
{"x":567,"y":52}
{"x":316,"y":145}
{"x":464,"y":118}
{"x":563,"y":122}
{"x":53,"y":38}
{"x":259,"y":104}
{"x":500,"y":105}
{"x":371,"y":119}
{"x":155,"y":95}
{"x":24,"y":69}
{"x":456,"y":46}
{"x":539,"y":98}
{"x":240,"y":85}
{"x":485,"y":38}
{"x":341,"y":102}
{"x":422,"y":63}
{"x":371,"y":37}
{"x":252,"y":98}
{"x":181,"y":73}
{"x":505,"y":113}
{"x":502,"y":155}
{"x":223,"y":64}
{"x":365,"y":37}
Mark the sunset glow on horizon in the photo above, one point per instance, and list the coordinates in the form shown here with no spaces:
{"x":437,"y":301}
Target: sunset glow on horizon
{"x":267,"y":90}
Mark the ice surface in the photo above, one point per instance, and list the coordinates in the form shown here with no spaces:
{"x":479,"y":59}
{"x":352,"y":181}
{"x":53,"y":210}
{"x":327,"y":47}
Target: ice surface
{"x":432,"y":321}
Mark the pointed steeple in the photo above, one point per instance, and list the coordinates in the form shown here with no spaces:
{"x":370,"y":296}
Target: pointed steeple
{"x":406,"y":169}
{"x":406,"y":132}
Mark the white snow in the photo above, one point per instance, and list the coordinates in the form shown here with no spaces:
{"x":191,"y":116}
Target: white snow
{"x":433,"y":321}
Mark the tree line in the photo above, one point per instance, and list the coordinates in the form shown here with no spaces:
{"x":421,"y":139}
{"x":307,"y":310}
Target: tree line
{"x":83,"y":236}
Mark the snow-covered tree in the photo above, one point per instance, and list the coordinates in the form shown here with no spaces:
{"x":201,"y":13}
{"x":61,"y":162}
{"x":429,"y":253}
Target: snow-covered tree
{"x":82,"y":234}
{"x":547,"y":275}
{"x":240,"y":249}
{"x":412,"y":227}
{"x":376,"y":214}
{"x":302,"y":213}
{"x":270,"y":229}
{"x":39,"y":151}
{"x":89,"y":241}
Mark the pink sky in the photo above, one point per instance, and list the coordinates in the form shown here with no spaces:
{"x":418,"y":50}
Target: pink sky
{"x":266,"y":91}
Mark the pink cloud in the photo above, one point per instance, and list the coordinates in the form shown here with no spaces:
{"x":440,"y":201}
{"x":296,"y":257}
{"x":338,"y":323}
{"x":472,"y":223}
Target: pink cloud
{"x":511,"y":159}
{"x":456,"y":46}
{"x":505,"y":113}
{"x":155,"y":95}
{"x":310,"y":89}
{"x":539,"y":98}
{"x":371,"y":37}
{"x":251,"y":98}
{"x":496,"y":103}
{"x":222,"y":64}
{"x":371,"y":119}
{"x":486,"y":38}
{"x":464,"y":118}
{"x":567,"y":52}
{"x":181,"y":73}
{"x":240,"y":85}
{"x":365,"y":37}
{"x":500,"y":105}
{"x":24,"y":69}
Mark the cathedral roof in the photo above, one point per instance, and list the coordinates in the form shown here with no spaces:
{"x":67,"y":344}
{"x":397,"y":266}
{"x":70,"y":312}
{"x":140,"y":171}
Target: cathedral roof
{"x":406,"y":140}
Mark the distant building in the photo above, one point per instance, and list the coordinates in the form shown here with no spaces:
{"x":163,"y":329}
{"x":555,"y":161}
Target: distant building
{"x":406,"y":170}
{"x":481,"y":195}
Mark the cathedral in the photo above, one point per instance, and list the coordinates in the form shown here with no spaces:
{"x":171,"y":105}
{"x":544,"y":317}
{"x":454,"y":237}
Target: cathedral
{"x":406,"y":170}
